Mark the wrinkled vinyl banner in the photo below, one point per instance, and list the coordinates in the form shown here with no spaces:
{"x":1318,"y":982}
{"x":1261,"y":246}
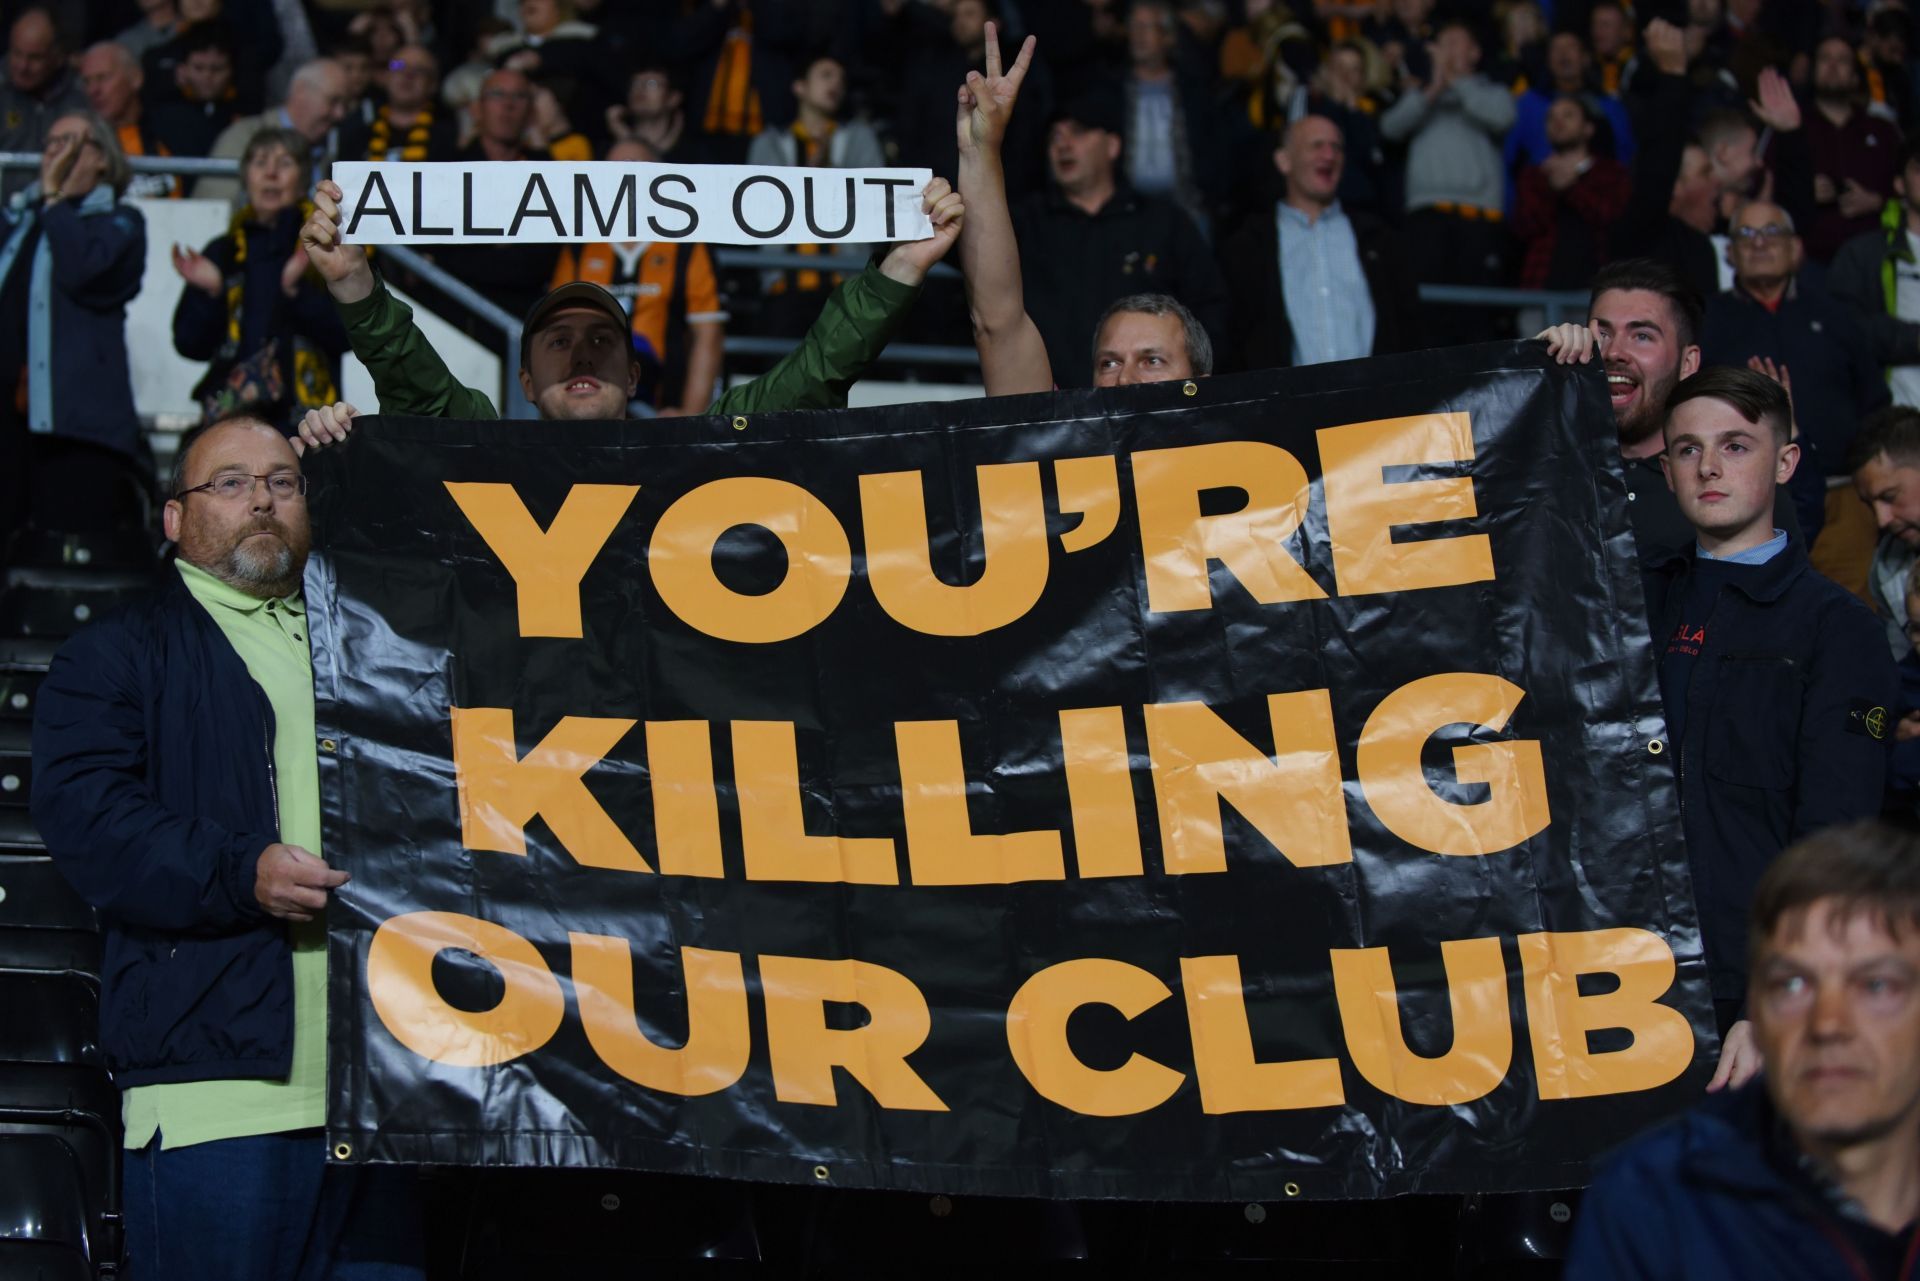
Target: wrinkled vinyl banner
{"x":1241,"y":789}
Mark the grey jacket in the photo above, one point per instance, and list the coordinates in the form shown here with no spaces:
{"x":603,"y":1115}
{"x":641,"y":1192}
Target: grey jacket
{"x":1453,"y":143}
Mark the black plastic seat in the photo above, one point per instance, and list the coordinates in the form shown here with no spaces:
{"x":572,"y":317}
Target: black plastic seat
{"x":863,"y":1230}
{"x":603,"y":1222}
{"x":19,"y":687}
{"x":66,"y":954}
{"x":43,"y":1193}
{"x":16,"y":764}
{"x":18,"y":834}
{"x":33,"y":895}
{"x":27,"y":651}
{"x":40,"y":1261}
{"x":125,"y":550}
{"x":59,"y":1184}
{"x":1516,"y":1234}
{"x":58,"y":604}
{"x":51,"y":1018}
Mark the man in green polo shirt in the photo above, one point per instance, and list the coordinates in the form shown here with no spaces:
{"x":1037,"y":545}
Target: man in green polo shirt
{"x":180,"y":794}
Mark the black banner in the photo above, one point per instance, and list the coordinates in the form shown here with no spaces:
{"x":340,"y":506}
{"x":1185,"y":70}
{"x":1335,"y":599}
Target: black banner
{"x":1245,"y":788}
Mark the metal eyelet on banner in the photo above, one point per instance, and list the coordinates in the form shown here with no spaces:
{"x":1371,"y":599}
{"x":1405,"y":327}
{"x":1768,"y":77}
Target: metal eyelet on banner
{"x":1192,"y":389}
{"x":740,"y":424}
{"x":342,"y":1151}
{"x":1655,"y":747}
{"x":1291,"y":1189}
{"x":822,"y":1173}
{"x":328,"y":745}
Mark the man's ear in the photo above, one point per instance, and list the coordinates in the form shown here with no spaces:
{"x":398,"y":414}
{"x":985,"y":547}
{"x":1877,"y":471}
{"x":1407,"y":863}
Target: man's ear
{"x":1666,"y":468}
{"x":526,"y":384}
{"x":1113,"y":147}
{"x":1283,"y":162}
{"x":1789,"y":461}
{"x":170,"y":518}
{"x":1689,"y":361}
{"x":633,"y":379}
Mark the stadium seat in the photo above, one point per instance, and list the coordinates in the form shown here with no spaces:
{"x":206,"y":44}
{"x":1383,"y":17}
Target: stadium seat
{"x":1339,"y":1238}
{"x":867,"y":1230}
{"x":16,"y":764}
{"x":44,"y":926}
{"x":18,"y":688}
{"x":33,"y":895}
{"x":18,"y":834}
{"x":602,"y":1223}
{"x":51,"y":1018}
{"x":124,"y":550}
{"x":1516,"y":1234}
{"x":57,"y":603}
{"x":34,"y":652}
{"x":44,"y":1225}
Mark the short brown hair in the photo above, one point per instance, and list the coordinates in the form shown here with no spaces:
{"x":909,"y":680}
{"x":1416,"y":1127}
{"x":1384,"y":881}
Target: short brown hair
{"x":1755,"y":397}
{"x":298,"y":150}
{"x":1867,"y":866}
{"x":1893,"y":431}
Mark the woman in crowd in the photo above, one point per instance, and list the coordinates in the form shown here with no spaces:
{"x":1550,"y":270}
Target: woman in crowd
{"x":270,"y":333}
{"x":71,"y":257}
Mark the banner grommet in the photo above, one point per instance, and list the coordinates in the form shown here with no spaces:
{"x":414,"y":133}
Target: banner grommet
{"x":740,"y":424}
{"x":1291,"y":1189}
{"x":343,"y":1151}
{"x":822,"y":1173}
{"x":1655,"y":747}
{"x":1191,"y":388}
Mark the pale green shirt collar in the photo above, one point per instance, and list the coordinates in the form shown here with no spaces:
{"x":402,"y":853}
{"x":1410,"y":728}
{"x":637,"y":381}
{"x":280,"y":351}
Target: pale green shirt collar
{"x":211,"y":591}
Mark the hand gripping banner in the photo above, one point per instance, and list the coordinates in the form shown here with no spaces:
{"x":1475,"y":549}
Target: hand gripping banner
{"x":1241,"y":789}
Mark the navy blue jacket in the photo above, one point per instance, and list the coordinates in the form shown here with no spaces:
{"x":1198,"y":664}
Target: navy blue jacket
{"x":1702,"y":1198}
{"x":98,"y":260}
{"x":1836,"y":380}
{"x":153,"y":788}
{"x":1782,"y":735}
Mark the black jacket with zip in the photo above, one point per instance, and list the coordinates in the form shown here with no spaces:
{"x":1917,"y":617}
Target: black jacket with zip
{"x":1788,"y":711}
{"x":153,"y":789}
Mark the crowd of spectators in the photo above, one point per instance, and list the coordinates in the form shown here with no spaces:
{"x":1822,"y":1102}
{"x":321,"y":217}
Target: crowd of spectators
{"x":1292,"y":172}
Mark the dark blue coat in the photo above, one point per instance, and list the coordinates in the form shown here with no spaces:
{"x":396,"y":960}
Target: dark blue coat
{"x":98,"y":259}
{"x":1836,"y":380}
{"x":1701,"y":1199}
{"x":1781,"y":733}
{"x":153,"y":788}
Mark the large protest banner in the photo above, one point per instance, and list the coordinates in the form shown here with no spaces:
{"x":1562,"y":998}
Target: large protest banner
{"x":1244,"y":788}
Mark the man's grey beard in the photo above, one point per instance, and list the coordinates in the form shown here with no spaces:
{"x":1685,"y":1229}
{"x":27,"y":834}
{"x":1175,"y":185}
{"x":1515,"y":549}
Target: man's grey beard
{"x":274,"y":574}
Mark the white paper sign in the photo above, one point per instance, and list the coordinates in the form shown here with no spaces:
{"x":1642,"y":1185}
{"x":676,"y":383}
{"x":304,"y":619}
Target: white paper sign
{"x":547,"y":202}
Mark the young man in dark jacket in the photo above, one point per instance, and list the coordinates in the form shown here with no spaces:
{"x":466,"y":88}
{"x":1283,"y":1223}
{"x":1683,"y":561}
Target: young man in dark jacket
{"x":1777,"y":683}
{"x":1814,"y":1173}
{"x":176,"y":783}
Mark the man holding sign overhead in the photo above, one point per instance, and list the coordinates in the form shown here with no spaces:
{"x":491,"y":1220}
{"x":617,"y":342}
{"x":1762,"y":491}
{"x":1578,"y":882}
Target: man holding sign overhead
{"x":576,"y":360}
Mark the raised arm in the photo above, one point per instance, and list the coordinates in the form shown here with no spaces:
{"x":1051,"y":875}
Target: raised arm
{"x":1013,"y":358}
{"x":408,"y":374}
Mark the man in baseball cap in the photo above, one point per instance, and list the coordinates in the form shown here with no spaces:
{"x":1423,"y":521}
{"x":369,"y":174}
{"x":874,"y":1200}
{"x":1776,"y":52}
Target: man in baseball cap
{"x":577,"y":360}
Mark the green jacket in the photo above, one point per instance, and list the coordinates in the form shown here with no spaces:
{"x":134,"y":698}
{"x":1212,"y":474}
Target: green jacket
{"x":855,"y":325}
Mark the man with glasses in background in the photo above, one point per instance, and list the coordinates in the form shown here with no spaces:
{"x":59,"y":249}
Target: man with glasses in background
{"x":1772,"y":316}
{"x":176,"y":784}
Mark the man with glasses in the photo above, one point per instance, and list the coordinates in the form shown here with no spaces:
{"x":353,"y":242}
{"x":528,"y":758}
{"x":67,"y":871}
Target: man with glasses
{"x":1773,"y":316}
{"x":176,"y":784}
